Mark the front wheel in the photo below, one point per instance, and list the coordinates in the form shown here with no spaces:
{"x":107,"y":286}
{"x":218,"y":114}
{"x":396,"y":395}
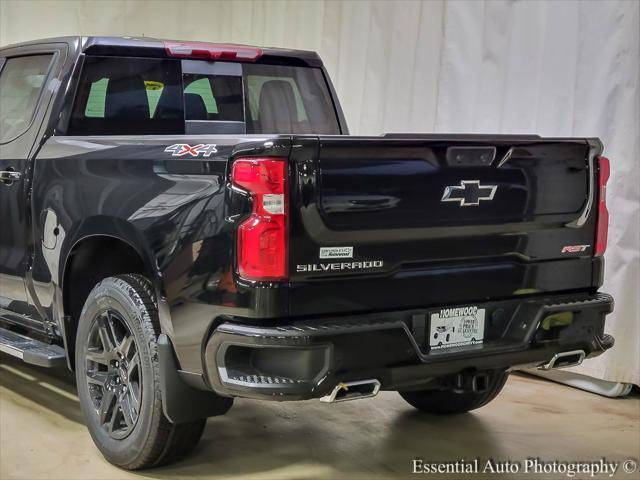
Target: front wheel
{"x":117,"y":376}
{"x":451,"y":402}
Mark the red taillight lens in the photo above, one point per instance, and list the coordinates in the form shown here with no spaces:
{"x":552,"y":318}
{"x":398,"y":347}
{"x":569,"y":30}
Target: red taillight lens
{"x":263,"y":237}
{"x":602,"y":228}
{"x":212,"y":51}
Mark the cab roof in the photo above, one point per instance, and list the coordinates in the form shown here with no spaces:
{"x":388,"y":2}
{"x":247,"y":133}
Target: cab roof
{"x":153,"y":47}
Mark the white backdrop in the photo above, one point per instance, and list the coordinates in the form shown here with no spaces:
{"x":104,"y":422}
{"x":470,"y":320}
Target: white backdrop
{"x":555,"y":68}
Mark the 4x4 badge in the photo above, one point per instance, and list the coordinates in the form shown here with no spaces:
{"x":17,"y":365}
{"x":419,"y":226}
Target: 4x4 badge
{"x":181,"y":149}
{"x":468,"y":193}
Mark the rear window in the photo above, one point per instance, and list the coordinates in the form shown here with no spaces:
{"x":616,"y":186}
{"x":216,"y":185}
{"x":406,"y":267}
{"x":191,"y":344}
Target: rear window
{"x":213,"y":98}
{"x":147,"y":96}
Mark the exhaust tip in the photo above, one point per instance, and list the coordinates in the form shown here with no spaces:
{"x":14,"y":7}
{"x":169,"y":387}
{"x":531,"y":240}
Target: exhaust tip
{"x":352,"y":391}
{"x":564,"y":360}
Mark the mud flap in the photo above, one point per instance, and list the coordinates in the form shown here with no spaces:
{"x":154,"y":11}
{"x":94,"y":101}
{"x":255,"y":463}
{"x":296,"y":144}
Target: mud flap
{"x":182,"y":403}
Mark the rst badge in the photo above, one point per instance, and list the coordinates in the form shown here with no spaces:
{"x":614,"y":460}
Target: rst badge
{"x":574,"y":248}
{"x":182,"y":149}
{"x":468,"y":193}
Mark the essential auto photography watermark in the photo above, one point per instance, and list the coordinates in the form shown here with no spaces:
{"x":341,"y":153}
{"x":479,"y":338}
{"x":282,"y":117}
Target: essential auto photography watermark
{"x":533,"y":466}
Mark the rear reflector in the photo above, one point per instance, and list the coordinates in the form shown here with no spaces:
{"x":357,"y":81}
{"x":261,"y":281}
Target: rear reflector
{"x":212,"y":51}
{"x":263,"y":237}
{"x":602,"y":228}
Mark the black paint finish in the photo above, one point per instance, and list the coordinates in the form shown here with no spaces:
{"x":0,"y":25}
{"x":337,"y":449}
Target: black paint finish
{"x":181,"y":216}
{"x":380,"y":195}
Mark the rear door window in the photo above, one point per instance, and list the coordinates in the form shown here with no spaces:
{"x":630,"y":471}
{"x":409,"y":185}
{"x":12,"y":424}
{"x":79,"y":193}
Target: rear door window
{"x":128,"y":96}
{"x":21,"y":83}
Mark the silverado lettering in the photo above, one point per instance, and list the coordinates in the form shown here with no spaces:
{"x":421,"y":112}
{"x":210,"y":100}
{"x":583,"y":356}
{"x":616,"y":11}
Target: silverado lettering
{"x":323,"y":267}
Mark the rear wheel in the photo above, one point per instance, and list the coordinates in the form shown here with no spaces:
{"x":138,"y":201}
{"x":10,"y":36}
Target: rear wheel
{"x":118,"y":377}
{"x":450,"y":402}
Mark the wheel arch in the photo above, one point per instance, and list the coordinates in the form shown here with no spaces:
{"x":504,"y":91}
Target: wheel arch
{"x":92,"y":257}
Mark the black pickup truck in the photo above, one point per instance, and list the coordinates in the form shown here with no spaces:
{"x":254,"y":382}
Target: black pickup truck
{"x":183,"y":223}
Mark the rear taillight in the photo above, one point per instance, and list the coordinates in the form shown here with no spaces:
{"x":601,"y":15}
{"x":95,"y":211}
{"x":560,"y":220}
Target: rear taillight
{"x":212,"y":51}
{"x":263,"y":237}
{"x":602,"y":228}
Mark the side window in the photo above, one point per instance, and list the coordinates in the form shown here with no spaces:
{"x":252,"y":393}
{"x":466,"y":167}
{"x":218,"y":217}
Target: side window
{"x":21,"y":82}
{"x":128,"y":96}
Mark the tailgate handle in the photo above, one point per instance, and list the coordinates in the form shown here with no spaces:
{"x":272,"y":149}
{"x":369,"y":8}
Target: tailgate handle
{"x":470,"y":156}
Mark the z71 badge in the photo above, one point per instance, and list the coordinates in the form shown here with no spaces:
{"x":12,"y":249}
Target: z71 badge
{"x":182,"y":149}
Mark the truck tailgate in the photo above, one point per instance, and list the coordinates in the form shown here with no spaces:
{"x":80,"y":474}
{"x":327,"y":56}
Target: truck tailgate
{"x":405,"y":221}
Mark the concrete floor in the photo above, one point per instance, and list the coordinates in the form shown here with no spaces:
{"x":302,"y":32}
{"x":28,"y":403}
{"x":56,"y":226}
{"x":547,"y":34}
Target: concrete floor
{"x":42,"y":434}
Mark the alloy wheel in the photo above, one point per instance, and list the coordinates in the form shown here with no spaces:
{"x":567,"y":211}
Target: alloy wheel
{"x":114,"y":374}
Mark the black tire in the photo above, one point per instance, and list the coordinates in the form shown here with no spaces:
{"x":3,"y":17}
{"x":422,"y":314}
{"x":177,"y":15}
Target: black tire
{"x":448,"y":402}
{"x":124,"y":307}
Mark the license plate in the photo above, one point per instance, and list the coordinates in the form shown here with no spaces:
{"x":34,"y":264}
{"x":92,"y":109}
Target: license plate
{"x":456,"y":327}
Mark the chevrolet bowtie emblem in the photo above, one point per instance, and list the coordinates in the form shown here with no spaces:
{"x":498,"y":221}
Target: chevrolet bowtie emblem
{"x":468,"y":193}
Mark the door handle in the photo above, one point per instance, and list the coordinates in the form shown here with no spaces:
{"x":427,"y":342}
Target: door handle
{"x":9,"y":176}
